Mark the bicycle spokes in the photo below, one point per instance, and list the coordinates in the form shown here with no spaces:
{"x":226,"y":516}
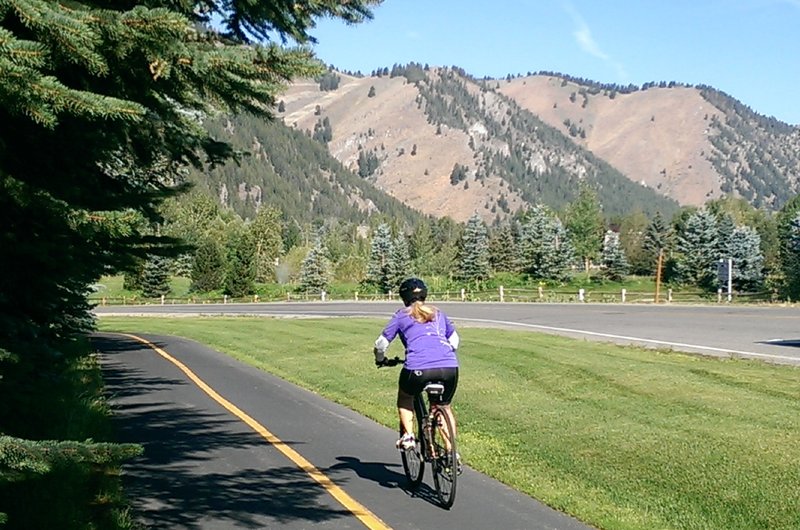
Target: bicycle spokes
{"x":413,"y":462}
{"x":445,"y":463}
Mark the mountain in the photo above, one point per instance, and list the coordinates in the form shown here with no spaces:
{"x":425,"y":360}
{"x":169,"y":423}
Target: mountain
{"x":286,"y":168}
{"x":447,"y":144}
{"x":689,"y":143}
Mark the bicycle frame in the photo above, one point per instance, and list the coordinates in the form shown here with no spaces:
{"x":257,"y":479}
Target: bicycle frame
{"x":425,"y":416}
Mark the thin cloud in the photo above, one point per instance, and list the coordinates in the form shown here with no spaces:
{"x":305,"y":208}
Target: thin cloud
{"x":583,"y":36}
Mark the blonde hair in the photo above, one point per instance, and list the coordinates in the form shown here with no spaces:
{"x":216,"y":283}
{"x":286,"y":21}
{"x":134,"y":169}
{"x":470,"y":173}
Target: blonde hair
{"x":421,"y":312}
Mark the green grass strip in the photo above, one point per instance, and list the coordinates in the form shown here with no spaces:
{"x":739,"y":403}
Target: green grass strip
{"x":620,"y":437}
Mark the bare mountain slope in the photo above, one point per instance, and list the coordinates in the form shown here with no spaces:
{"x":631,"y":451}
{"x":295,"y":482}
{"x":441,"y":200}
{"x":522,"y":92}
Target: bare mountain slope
{"x":657,"y":136}
{"x":448,"y":145}
{"x":415,"y":161}
{"x":672,"y":139}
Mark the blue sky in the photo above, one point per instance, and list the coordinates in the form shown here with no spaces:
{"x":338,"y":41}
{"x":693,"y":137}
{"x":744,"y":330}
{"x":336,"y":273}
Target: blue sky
{"x":746,"y":48}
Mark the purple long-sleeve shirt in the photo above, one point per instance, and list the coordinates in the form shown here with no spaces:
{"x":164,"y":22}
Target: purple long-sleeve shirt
{"x":427,"y":345}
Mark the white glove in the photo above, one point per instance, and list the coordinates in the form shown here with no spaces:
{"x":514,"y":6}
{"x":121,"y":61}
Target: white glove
{"x":380,"y":349}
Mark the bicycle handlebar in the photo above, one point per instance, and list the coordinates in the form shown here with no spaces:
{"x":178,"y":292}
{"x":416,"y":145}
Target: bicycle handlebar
{"x":389,"y":362}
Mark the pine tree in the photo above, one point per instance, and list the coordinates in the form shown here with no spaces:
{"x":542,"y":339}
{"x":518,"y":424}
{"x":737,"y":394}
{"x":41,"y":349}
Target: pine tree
{"x":546,"y":252}
{"x":208,"y":269}
{"x":240,"y":270}
{"x":790,"y":257}
{"x":698,"y":246}
{"x":399,"y":262}
{"x":155,"y":277}
{"x":748,"y":260}
{"x":788,"y":223}
{"x":474,"y":251}
{"x":132,"y":278}
{"x":379,"y":268}
{"x":315,"y":269}
{"x":614,"y":262}
{"x":725,"y":231}
{"x":182,"y":265}
{"x":656,"y":240}
{"x":503,"y":249}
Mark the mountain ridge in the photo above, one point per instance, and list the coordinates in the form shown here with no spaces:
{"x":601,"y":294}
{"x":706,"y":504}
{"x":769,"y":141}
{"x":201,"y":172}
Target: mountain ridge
{"x":659,"y":137}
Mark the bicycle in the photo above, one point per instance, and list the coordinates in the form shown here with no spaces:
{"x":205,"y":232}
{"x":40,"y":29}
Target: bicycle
{"x":434,"y":429}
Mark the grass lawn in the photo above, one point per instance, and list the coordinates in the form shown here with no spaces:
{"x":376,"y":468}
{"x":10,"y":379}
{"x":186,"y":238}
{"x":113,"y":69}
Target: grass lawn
{"x":620,"y":437}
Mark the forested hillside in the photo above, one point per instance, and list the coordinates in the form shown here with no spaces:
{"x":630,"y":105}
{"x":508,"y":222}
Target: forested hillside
{"x":757,"y":157}
{"x":285,"y":168}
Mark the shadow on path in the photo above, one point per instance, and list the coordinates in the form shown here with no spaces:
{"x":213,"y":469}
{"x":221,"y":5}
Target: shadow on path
{"x":381,"y":473}
{"x":199,"y":466}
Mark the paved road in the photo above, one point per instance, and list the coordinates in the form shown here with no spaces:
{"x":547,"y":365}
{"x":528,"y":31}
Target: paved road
{"x":204,"y":468}
{"x":760,"y":332}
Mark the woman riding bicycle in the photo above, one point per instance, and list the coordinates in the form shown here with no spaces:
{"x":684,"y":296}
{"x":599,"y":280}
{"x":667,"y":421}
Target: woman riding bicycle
{"x":430,"y":341}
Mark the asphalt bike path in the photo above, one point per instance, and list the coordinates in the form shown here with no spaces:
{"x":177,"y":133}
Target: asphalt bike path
{"x":230,"y":446}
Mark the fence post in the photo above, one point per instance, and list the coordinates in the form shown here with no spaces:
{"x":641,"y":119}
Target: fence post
{"x":541,"y":292}
{"x":669,"y":295}
{"x":719,"y":296}
{"x":356,"y":296}
{"x":322,"y":295}
{"x":624,"y":292}
{"x":502,"y":294}
{"x":255,"y":298}
{"x":162,"y":299}
{"x":463,"y":294}
{"x":580,"y":294}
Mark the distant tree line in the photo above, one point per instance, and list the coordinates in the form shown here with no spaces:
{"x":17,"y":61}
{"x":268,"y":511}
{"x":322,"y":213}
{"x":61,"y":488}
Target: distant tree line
{"x":233,"y":255}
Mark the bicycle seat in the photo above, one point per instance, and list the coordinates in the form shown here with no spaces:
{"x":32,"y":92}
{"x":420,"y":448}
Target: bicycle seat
{"x":434,"y":389}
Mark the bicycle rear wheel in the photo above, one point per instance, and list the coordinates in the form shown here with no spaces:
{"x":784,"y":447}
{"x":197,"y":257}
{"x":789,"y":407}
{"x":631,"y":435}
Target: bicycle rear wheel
{"x":445,"y":465}
{"x":413,"y":459}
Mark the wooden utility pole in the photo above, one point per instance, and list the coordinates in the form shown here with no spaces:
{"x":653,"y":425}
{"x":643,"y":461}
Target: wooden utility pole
{"x":658,"y":272}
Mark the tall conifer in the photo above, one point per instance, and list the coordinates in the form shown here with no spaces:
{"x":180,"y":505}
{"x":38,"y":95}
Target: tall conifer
{"x":379,"y":269}
{"x":698,"y":245}
{"x":474,"y":251}
{"x":315,"y":270}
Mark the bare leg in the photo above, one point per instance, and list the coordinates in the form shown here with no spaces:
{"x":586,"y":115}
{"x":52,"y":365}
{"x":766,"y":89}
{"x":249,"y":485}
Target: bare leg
{"x":405,"y":408}
{"x":449,"y":411}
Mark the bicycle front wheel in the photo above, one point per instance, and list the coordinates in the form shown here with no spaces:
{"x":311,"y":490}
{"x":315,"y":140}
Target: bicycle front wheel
{"x":413,"y":462}
{"x":445,"y":464}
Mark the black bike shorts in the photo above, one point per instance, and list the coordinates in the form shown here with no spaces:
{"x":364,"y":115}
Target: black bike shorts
{"x":413,"y":381}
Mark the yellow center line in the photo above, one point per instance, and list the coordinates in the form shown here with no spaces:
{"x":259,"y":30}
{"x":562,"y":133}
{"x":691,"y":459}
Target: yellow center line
{"x":369,"y":519}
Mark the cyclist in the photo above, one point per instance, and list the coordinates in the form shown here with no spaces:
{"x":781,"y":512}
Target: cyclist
{"x":430,"y":340}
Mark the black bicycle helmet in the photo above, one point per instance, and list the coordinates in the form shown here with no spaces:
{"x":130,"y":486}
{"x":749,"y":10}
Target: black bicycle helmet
{"x":412,"y":290}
